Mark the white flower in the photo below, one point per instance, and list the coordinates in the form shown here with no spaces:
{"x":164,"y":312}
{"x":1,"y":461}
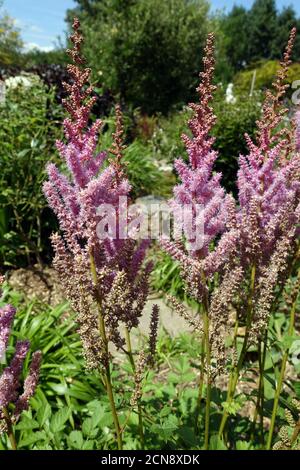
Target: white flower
{"x":230,"y":98}
{"x":14,"y":82}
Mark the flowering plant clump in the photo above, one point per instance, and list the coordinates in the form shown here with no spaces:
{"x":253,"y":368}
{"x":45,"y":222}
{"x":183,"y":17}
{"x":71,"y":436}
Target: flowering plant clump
{"x":252,"y":245}
{"x":105,"y":277}
{"x":238,"y":259}
{"x":12,"y":402}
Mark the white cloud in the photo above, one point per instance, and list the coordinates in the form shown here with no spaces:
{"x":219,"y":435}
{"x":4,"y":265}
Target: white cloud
{"x":30,"y":46}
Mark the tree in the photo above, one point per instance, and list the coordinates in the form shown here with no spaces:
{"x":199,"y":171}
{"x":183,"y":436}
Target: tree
{"x":286,"y":20}
{"x":235,"y":27}
{"x":262,"y":29}
{"x":149,"y":51}
{"x":10,"y":41}
{"x":258,"y":33}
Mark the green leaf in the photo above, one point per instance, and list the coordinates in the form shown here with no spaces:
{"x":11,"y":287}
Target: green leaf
{"x":43,"y":414}
{"x":287,"y":341}
{"x":231,"y":408}
{"x":75,"y":440}
{"x":216,"y":443}
{"x":188,"y":436}
{"x":88,"y":445}
{"x":242,"y":445}
{"x":167,"y":428}
{"x":165,"y":411}
{"x":23,"y":153}
{"x":88,"y":427}
{"x":59,"y":419}
{"x":27,"y":423}
{"x":32,"y":438}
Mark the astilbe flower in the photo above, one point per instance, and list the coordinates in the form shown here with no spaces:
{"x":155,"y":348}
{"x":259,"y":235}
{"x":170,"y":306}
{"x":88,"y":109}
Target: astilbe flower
{"x":110,"y":271}
{"x":256,"y":237}
{"x":200,"y":192}
{"x":297,"y":126}
{"x":269,"y":177}
{"x":11,"y":375}
{"x":289,"y":440}
{"x":201,"y":187}
{"x":269,"y":199}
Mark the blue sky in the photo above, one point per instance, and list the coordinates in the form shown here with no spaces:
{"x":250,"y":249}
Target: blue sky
{"x":42,"y":21}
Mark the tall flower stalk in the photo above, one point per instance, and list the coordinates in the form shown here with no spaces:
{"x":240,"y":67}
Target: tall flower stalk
{"x":104,"y":273}
{"x":201,"y":188}
{"x":268,"y":213}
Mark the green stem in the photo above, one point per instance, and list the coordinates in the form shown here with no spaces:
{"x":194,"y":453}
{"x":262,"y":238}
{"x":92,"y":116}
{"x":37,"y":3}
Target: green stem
{"x":281,"y":376}
{"x":108,"y":382}
{"x":236,"y":371}
{"x":200,"y":387}
{"x":260,"y":394}
{"x":140,"y":413}
{"x":208,"y":383}
{"x":262,"y":403}
{"x":208,"y":363}
{"x":10,"y":431}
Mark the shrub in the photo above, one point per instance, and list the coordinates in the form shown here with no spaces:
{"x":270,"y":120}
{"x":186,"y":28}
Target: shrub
{"x":265,"y":72}
{"x":10,"y":41}
{"x":148,"y":51}
{"x":234,"y":120}
{"x":28,"y":125}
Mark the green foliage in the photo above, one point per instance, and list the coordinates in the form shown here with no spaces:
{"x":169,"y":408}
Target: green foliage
{"x":37,"y":57}
{"x":146,"y":50}
{"x":70,"y":409}
{"x":264,"y":76}
{"x":28,"y":128}
{"x":233,"y":121}
{"x":263,"y":26}
{"x":235,"y":28}
{"x":10,"y":41}
{"x":143,"y":174}
{"x":258,"y":33}
{"x":166,"y":275}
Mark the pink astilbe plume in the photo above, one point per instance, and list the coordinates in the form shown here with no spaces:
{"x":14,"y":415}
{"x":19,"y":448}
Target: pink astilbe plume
{"x":10,"y":378}
{"x":200,"y":191}
{"x":297,"y":135}
{"x":250,"y":245}
{"x":211,"y":215}
{"x":108,"y":271}
{"x":269,"y":177}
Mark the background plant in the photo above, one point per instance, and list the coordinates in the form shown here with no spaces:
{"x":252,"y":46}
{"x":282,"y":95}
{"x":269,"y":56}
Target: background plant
{"x":29,"y":118}
{"x":10,"y":40}
{"x":149,"y":49}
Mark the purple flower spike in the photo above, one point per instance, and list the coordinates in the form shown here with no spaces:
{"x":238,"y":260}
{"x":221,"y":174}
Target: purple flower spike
{"x":7,"y":314}
{"x":30,"y":384}
{"x":10,"y":378}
